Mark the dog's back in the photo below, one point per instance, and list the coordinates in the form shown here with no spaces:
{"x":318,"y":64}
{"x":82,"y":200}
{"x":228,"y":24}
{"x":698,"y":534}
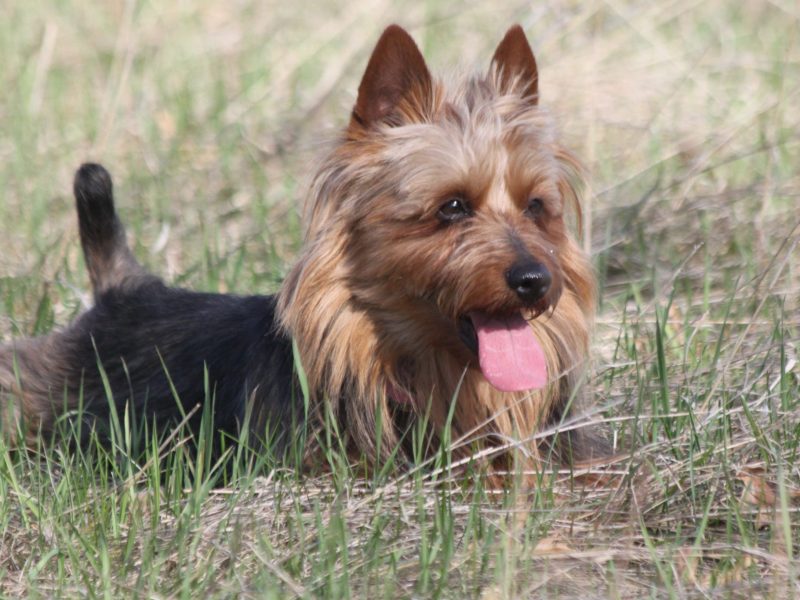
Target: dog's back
{"x":157,"y":350}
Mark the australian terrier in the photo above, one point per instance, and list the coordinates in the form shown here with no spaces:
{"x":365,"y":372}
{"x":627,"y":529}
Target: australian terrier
{"x":438,"y":282}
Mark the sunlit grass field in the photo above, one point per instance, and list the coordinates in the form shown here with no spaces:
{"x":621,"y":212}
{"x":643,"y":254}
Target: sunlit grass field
{"x":209,"y":116}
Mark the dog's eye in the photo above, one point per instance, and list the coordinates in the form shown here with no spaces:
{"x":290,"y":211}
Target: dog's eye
{"x":535,"y":208}
{"x":454,"y":209}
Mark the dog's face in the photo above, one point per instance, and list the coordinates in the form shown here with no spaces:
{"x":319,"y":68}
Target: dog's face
{"x":466,"y":211}
{"x":454,"y":198}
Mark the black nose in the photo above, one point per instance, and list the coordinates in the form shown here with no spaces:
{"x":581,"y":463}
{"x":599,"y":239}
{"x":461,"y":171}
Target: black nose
{"x":529,"y":280}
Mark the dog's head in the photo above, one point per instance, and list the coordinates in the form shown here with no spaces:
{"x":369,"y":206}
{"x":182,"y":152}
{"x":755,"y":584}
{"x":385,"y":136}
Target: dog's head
{"x":449,"y":203}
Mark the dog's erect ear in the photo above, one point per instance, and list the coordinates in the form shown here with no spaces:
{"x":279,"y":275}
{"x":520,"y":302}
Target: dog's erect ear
{"x":395,"y":69}
{"x":516,"y":65}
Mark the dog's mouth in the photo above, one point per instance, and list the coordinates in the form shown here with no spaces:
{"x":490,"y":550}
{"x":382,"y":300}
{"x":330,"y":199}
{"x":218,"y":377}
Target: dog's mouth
{"x":510,"y":356}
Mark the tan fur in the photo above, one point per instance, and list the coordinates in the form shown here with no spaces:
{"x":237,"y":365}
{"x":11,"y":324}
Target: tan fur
{"x":28,"y":408}
{"x":373,"y":301}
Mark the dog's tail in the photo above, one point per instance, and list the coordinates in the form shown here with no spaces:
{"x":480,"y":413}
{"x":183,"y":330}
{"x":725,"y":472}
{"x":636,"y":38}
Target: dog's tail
{"x":108,"y":259}
{"x":35,"y":371}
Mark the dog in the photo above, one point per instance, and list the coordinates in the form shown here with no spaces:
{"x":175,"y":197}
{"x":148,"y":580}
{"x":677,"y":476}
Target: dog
{"x":439,"y":282}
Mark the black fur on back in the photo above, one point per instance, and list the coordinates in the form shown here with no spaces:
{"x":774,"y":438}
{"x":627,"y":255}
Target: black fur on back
{"x":156,"y":343}
{"x":159,"y":351}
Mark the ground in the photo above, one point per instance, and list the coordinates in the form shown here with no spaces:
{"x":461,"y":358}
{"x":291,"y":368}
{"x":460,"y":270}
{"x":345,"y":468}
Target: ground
{"x":209,"y":115}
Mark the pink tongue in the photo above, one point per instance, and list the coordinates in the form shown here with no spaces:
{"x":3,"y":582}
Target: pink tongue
{"x":510,"y":355}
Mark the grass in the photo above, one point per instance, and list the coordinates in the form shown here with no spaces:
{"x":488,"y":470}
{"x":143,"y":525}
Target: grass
{"x":208,"y":116}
